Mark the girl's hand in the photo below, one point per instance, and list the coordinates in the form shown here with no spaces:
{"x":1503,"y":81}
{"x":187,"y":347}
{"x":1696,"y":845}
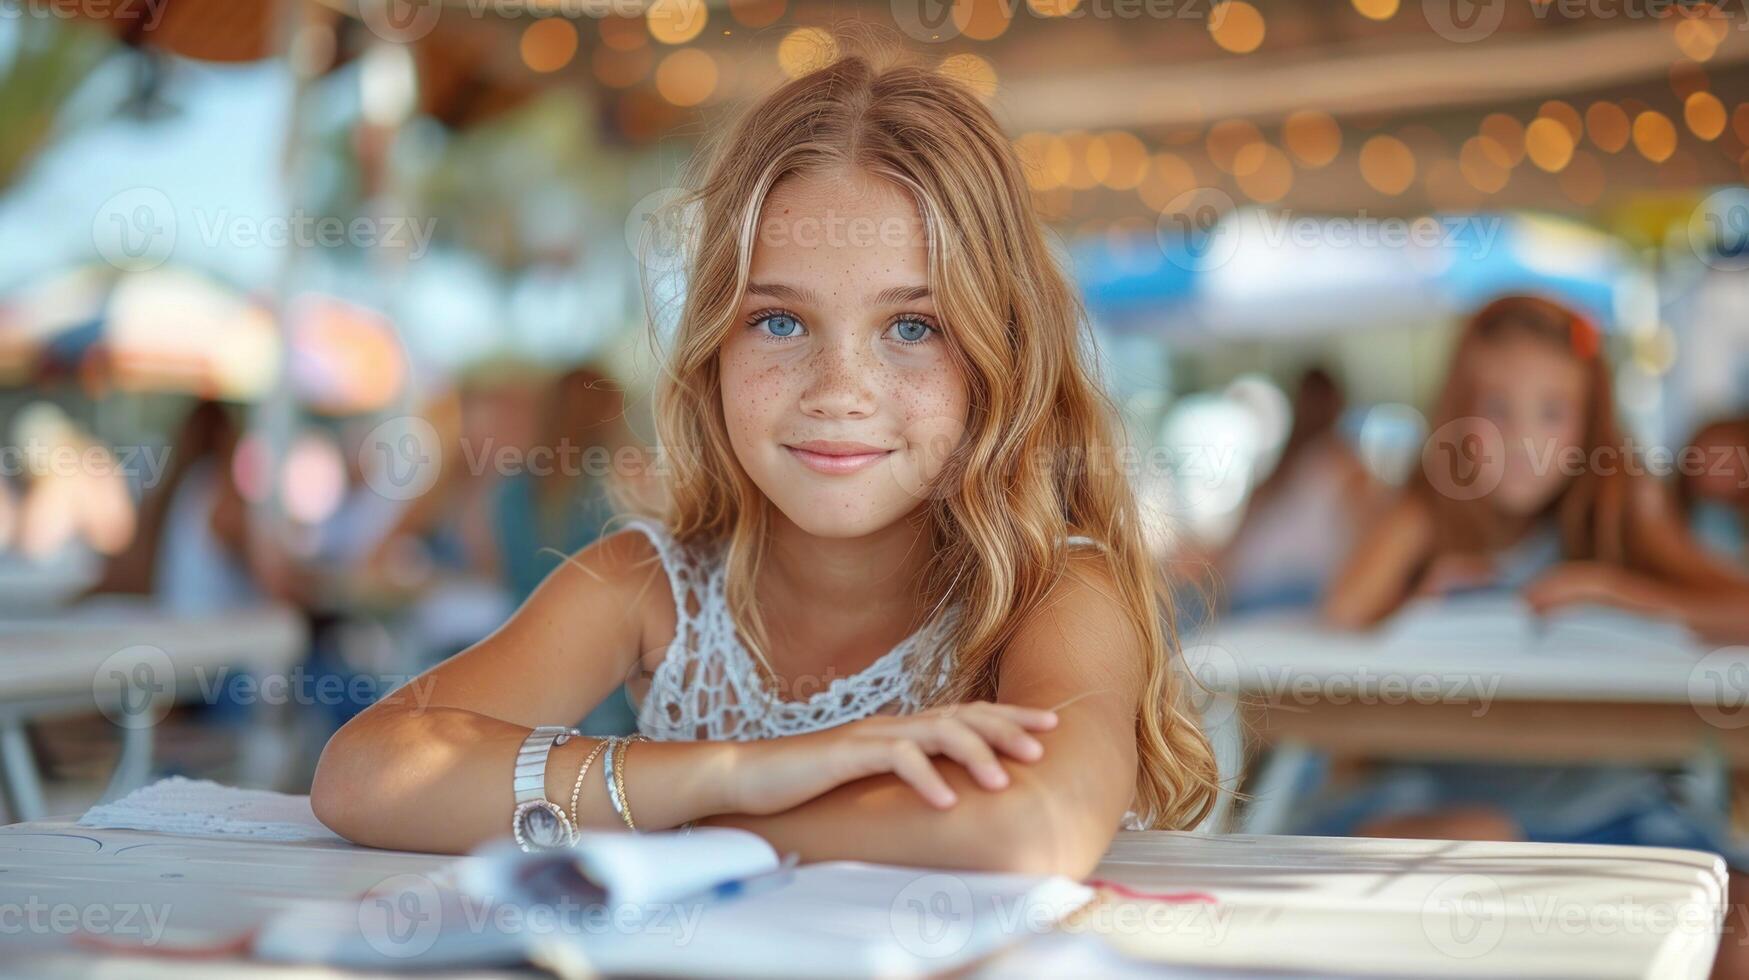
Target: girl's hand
{"x":773,"y":775}
{"x":1575,"y":582}
{"x":1453,"y":572}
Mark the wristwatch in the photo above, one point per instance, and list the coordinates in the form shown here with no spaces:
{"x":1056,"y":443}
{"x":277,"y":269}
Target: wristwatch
{"x":538,"y":823}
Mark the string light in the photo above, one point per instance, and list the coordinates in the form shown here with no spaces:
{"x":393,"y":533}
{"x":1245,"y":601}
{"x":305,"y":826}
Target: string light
{"x":1236,"y":26}
{"x":1313,"y":137}
{"x":548,"y":44}
{"x":1387,"y":164}
{"x":1705,"y":115}
{"x":1608,"y":126}
{"x":1654,"y":135}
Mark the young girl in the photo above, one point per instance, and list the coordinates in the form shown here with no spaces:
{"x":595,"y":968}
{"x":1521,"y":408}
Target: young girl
{"x":908,"y":615}
{"x":1526,"y":483}
{"x":1524,"y":486}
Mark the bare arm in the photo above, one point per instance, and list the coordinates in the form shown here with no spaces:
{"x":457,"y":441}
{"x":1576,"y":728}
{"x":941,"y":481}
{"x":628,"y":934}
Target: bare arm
{"x":1378,"y":576}
{"x":1061,"y":811}
{"x":428,"y":768}
{"x":1674,"y":576}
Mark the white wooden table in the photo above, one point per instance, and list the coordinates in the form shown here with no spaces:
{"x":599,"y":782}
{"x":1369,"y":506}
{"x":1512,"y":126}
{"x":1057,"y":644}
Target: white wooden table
{"x":1299,"y":686}
{"x":1332,"y":906}
{"x":129,"y":661}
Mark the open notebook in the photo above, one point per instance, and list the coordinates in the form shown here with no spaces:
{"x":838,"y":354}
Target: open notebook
{"x":716,"y":902}
{"x":1505,"y":622}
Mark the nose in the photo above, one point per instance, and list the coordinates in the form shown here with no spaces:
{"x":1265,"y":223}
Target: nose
{"x":840,"y":382}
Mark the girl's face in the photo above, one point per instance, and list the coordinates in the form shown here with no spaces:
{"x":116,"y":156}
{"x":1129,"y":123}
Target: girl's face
{"x":1535,"y":395}
{"x":838,"y":344}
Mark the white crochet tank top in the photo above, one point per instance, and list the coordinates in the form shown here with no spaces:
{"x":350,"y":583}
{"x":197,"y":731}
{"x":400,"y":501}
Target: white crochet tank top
{"x":708,"y":685}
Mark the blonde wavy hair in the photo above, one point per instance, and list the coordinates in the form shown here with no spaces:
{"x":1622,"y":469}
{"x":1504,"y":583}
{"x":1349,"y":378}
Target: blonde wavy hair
{"x":1041,"y":452}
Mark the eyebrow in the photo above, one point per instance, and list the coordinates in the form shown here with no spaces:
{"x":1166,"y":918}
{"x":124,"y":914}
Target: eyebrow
{"x":792,"y":294}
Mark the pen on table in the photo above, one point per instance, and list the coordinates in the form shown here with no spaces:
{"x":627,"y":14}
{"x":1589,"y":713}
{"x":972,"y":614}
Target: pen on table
{"x":752,"y":884}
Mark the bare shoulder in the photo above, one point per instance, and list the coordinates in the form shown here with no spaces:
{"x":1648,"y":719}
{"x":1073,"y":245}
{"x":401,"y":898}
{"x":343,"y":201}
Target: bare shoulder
{"x":621,"y":567}
{"x":1084,"y":624}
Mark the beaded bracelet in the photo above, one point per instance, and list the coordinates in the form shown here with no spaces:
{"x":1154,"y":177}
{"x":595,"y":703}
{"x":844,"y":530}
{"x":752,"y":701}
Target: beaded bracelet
{"x":577,"y":787}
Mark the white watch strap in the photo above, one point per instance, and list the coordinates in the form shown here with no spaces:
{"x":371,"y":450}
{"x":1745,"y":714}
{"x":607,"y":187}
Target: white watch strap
{"x":529,"y":781}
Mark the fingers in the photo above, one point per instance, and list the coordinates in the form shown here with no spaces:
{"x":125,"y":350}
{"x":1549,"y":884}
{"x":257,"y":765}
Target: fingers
{"x":965,"y":745}
{"x":1035,"y":719}
{"x":910,"y":763}
{"x":1005,"y":734}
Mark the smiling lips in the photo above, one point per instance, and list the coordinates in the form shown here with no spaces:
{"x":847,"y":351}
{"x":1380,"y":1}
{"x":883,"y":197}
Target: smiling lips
{"x":836,"y":458}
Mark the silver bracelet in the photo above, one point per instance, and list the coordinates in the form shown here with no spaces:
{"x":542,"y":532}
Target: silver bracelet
{"x":614,"y":743}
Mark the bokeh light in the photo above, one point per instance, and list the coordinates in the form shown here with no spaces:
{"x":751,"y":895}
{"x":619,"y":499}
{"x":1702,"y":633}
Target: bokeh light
{"x":1387,"y":164}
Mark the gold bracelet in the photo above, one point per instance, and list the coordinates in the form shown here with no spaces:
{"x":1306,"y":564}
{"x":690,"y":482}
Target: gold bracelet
{"x":577,"y":787}
{"x":619,"y":777}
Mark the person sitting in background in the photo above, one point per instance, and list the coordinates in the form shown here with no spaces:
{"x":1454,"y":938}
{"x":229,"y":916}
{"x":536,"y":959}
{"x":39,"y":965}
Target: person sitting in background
{"x":1715,"y":497}
{"x":1301,"y":521}
{"x":560,"y":503}
{"x":1494,"y":505}
{"x":191,"y":550}
{"x":1499,"y":501}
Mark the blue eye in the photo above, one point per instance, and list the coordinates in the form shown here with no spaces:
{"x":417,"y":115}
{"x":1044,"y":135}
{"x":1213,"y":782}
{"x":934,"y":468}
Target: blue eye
{"x":922,"y":331}
{"x":784,"y":324}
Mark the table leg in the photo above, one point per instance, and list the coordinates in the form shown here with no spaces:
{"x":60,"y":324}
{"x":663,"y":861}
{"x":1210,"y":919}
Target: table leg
{"x":134,"y":764}
{"x":24,"y":790}
{"x":1273,"y":795}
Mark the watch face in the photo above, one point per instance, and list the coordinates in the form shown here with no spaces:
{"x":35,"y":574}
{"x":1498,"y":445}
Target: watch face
{"x":541,"y":824}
